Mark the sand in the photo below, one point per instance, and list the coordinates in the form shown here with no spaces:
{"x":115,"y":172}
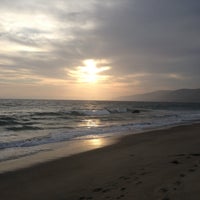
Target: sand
{"x":163,"y":165}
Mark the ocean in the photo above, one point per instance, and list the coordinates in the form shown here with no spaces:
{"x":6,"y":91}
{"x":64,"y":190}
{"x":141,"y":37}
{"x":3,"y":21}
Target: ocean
{"x":27,"y":126}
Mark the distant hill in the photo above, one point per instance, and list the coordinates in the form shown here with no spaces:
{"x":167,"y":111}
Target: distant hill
{"x":182,"y":95}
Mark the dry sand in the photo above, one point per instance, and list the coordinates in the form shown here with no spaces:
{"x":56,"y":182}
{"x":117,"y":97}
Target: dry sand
{"x":163,"y":165}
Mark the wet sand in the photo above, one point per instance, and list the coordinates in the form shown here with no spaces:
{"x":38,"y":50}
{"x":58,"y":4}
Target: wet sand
{"x":163,"y":165}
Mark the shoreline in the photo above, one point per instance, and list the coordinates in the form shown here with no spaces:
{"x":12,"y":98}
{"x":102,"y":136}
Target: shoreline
{"x":62,"y":150}
{"x":163,"y":163}
{"x":71,"y":148}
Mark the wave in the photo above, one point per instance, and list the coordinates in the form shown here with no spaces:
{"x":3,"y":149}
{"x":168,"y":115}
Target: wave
{"x":4,"y":121}
{"x":111,"y":129}
{"x":16,"y":153}
{"x":88,"y":112}
{"x":25,"y":143}
{"x":47,"y":114}
{"x":106,"y":111}
{"x":166,"y":115}
{"x":24,"y":118}
{"x":75,"y":134}
{"x":23,"y":128}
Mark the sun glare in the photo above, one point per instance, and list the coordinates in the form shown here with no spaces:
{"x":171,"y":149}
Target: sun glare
{"x":90,"y":73}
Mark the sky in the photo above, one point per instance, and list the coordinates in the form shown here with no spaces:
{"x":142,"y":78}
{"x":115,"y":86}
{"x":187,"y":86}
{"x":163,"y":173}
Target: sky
{"x":92,"y":49}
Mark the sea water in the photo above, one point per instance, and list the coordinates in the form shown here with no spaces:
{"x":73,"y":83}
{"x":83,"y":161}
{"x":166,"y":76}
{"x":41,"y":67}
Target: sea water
{"x":28,"y":126}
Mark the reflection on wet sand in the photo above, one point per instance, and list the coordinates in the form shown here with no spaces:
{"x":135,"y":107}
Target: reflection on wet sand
{"x":63,"y":149}
{"x":97,"y":142}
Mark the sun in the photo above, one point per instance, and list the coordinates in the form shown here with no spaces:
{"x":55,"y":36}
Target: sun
{"x":90,"y":72}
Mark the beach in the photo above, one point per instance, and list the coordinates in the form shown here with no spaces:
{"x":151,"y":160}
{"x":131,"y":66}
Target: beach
{"x":161,"y":164}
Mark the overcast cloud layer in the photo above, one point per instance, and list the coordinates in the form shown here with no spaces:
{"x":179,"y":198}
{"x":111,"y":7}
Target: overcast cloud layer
{"x":148,"y":45}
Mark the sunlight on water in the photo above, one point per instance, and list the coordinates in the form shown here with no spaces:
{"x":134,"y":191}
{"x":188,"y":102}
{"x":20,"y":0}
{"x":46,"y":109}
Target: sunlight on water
{"x":27,"y":125}
{"x":92,"y":123}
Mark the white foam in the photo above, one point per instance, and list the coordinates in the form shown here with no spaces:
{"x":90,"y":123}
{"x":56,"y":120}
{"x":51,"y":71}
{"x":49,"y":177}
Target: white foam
{"x":15,"y":153}
{"x":148,"y":121}
{"x":95,"y":112}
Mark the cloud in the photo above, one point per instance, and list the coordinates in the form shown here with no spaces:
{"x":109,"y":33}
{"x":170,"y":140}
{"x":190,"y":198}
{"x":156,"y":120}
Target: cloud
{"x":152,"y":31}
{"x":146,"y":42}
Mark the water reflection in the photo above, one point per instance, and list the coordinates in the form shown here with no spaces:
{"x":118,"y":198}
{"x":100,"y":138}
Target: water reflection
{"x":90,"y":123}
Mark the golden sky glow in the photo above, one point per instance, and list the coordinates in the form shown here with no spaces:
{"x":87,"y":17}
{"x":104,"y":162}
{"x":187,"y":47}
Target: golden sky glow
{"x":90,"y":72}
{"x":58,"y":49}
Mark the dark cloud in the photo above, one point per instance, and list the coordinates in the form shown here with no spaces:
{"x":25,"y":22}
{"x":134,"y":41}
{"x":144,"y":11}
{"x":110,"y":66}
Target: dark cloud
{"x":155,"y":37}
{"x":160,"y":29}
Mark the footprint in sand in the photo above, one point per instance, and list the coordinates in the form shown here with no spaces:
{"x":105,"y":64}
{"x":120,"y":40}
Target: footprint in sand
{"x":175,"y":162}
{"x":164,"y":190}
{"x":182,"y":175}
{"x":143,"y":173}
{"x":121,"y":196}
{"x":191,"y":170}
{"x":178,"y":182}
{"x":124,"y":178}
{"x":181,"y":155}
{"x":166,"y":198}
{"x":138,"y":182}
{"x":106,"y":190}
{"x":97,"y":189}
{"x":194,"y":154}
{"x":85,"y":198}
